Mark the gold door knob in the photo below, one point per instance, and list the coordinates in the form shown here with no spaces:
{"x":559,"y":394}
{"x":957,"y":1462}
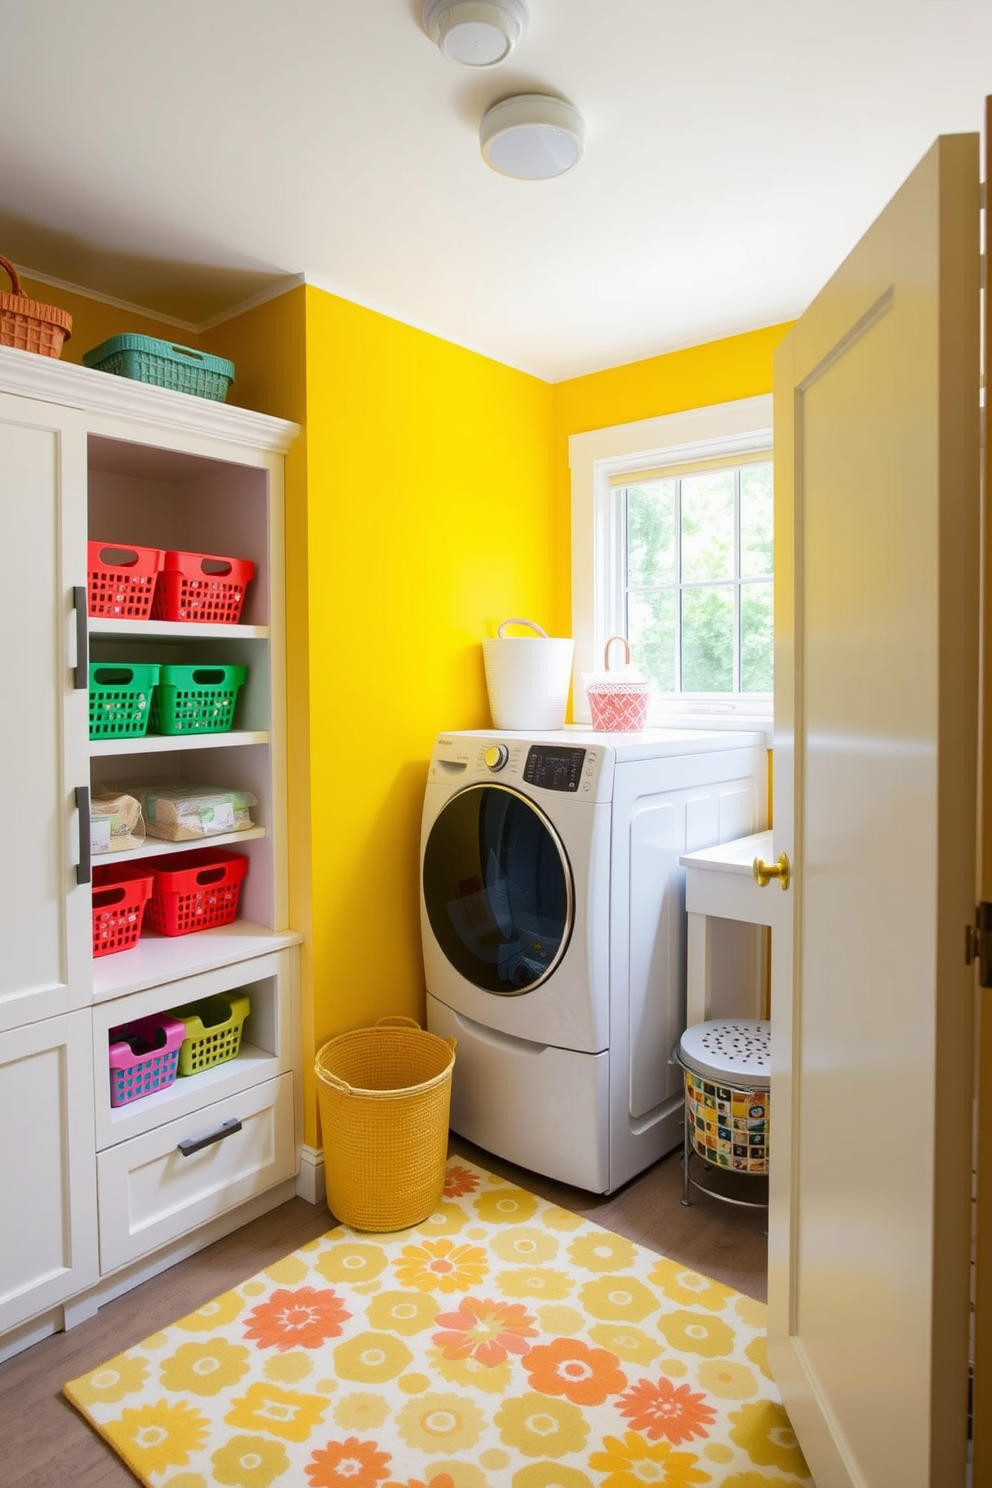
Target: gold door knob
{"x":765,"y":872}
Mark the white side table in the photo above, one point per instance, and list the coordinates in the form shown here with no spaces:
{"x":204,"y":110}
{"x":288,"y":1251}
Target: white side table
{"x":725,"y":968}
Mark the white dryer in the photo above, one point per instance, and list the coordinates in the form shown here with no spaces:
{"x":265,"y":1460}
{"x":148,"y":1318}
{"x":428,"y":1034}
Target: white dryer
{"x":552,"y":917}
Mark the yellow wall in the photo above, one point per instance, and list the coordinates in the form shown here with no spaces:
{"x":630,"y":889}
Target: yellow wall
{"x":430,"y":521}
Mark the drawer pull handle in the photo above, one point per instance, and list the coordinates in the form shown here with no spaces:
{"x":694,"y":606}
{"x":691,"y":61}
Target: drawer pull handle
{"x":193,"y":1144}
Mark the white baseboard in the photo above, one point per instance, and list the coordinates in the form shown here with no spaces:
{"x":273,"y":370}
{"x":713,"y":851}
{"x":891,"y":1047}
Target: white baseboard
{"x":310,"y":1183}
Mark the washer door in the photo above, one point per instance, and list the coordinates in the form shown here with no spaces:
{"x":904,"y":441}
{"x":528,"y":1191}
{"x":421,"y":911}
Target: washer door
{"x":498,"y":889}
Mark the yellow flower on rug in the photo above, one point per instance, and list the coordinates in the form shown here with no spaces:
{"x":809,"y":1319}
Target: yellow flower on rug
{"x":503,"y":1343}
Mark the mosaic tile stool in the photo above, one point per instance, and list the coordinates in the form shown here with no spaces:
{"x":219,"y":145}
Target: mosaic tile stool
{"x":726,"y":1067}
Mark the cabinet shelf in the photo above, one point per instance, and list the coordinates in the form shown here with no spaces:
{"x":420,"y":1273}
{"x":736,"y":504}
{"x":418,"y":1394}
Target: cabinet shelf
{"x":170,"y":743}
{"x":101,"y":628}
{"x":189,"y":1093}
{"x":159,"y":959}
{"x":155,"y":846}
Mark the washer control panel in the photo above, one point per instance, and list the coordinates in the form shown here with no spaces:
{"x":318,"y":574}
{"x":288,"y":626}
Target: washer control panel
{"x":554,"y":767}
{"x":583,"y":772}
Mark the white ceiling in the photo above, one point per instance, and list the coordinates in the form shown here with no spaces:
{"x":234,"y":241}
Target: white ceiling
{"x":187,"y":156}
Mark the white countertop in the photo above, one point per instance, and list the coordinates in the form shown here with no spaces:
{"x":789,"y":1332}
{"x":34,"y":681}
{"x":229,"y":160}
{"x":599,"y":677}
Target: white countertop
{"x":732,"y":857}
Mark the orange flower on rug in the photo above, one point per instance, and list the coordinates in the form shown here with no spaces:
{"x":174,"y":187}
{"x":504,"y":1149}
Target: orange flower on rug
{"x":503,"y":1343}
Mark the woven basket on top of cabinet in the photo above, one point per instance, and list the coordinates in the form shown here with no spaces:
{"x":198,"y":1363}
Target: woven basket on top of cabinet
{"x":385,"y":1098}
{"x":30,"y":325}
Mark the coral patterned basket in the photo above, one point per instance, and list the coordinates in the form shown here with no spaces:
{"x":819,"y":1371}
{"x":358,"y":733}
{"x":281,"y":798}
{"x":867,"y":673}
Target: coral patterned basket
{"x":618,"y":704}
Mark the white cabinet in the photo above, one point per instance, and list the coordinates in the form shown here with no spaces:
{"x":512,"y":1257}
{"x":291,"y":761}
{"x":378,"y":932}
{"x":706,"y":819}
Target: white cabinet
{"x":85,"y":456}
{"x":48,"y":1235}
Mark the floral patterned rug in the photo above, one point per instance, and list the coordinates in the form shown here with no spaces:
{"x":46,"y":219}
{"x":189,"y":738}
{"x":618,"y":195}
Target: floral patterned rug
{"x":503,"y":1343}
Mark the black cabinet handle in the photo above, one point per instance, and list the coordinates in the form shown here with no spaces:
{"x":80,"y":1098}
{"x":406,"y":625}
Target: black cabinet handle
{"x":84,"y":868}
{"x":81,"y":671}
{"x":193,"y":1144}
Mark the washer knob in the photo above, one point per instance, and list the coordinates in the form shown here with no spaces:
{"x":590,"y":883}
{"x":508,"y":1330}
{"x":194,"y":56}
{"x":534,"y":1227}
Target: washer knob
{"x":496,"y":756}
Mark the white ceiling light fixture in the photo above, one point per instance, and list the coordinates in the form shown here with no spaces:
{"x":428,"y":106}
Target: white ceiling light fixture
{"x":477,"y":33}
{"x":532,"y":137}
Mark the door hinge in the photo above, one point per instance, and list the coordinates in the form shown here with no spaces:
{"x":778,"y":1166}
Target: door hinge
{"x":978,"y":945}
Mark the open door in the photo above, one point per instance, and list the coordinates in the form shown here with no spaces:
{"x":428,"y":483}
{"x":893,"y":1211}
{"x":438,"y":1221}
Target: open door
{"x":982,"y":1398}
{"x":876,"y":728}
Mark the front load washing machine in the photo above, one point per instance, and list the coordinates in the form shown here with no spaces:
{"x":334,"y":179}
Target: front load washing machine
{"x":552,"y":917}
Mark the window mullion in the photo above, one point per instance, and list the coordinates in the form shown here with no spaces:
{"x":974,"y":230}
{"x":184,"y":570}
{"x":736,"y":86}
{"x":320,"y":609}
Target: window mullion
{"x":678,"y":586}
{"x":738,"y":621}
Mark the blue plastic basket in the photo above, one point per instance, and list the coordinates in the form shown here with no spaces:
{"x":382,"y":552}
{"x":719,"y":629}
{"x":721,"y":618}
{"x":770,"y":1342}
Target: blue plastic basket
{"x":181,"y":368}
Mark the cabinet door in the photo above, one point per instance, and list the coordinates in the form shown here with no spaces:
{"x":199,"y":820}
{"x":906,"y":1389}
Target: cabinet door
{"x":44,"y":913}
{"x":48,"y":1234}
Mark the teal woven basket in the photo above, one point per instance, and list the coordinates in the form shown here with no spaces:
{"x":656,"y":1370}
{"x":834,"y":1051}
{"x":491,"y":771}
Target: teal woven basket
{"x":144,"y":359}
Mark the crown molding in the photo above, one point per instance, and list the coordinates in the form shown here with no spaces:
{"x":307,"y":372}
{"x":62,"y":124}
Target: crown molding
{"x":282,"y":286}
{"x":26,"y":373}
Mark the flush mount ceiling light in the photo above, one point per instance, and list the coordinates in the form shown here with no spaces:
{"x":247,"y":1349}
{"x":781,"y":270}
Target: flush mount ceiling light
{"x":532,"y":137}
{"x":477,"y":33}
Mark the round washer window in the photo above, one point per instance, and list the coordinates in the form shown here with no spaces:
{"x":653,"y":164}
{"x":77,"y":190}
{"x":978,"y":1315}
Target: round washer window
{"x":498,"y":889}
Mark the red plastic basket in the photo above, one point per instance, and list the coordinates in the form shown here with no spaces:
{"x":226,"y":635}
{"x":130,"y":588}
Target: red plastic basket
{"x":121,"y":892}
{"x":122,"y":579}
{"x":144,"y":1056}
{"x":202,"y":587}
{"x":195,"y":890}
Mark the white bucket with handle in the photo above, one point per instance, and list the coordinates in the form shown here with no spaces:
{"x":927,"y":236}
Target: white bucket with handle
{"x":528,"y":678}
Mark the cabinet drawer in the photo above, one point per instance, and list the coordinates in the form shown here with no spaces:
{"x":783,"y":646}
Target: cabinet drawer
{"x":151,"y":1193}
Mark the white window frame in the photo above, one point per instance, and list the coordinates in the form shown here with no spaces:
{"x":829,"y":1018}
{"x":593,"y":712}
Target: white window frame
{"x":721,"y":430}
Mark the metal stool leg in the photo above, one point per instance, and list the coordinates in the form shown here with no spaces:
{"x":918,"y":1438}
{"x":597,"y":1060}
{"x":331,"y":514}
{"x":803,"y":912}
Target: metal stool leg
{"x":685,"y":1156}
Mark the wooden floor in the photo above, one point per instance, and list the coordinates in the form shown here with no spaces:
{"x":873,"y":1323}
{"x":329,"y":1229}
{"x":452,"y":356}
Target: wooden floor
{"x":45,"y":1444}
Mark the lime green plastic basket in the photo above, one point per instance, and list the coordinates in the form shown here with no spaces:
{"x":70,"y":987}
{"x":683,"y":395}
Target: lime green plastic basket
{"x":181,"y":368}
{"x":213,"y":1030}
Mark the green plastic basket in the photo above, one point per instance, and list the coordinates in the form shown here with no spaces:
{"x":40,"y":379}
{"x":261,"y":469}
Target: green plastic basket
{"x":213,"y":1030}
{"x":196,"y":699}
{"x":181,"y":368}
{"x":120,"y":698}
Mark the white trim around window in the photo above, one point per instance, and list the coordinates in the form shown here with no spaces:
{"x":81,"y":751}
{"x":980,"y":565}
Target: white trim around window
{"x":714,"y":432}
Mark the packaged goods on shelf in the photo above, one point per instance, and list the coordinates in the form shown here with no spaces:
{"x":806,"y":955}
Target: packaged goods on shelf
{"x":115,"y":821}
{"x":180,"y":812}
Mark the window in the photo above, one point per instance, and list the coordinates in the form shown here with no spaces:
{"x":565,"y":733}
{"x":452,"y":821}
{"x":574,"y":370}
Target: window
{"x":696,"y":594}
{"x":672,"y":547}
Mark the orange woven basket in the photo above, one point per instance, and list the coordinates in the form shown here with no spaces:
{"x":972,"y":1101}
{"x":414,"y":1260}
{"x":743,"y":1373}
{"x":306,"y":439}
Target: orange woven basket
{"x":28,"y":324}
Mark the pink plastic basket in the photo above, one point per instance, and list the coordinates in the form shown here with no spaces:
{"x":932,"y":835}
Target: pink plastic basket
{"x":620,"y":706}
{"x":144,"y":1056}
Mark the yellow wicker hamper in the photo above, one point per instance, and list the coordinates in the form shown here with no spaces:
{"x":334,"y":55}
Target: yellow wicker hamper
{"x":385,"y":1099}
